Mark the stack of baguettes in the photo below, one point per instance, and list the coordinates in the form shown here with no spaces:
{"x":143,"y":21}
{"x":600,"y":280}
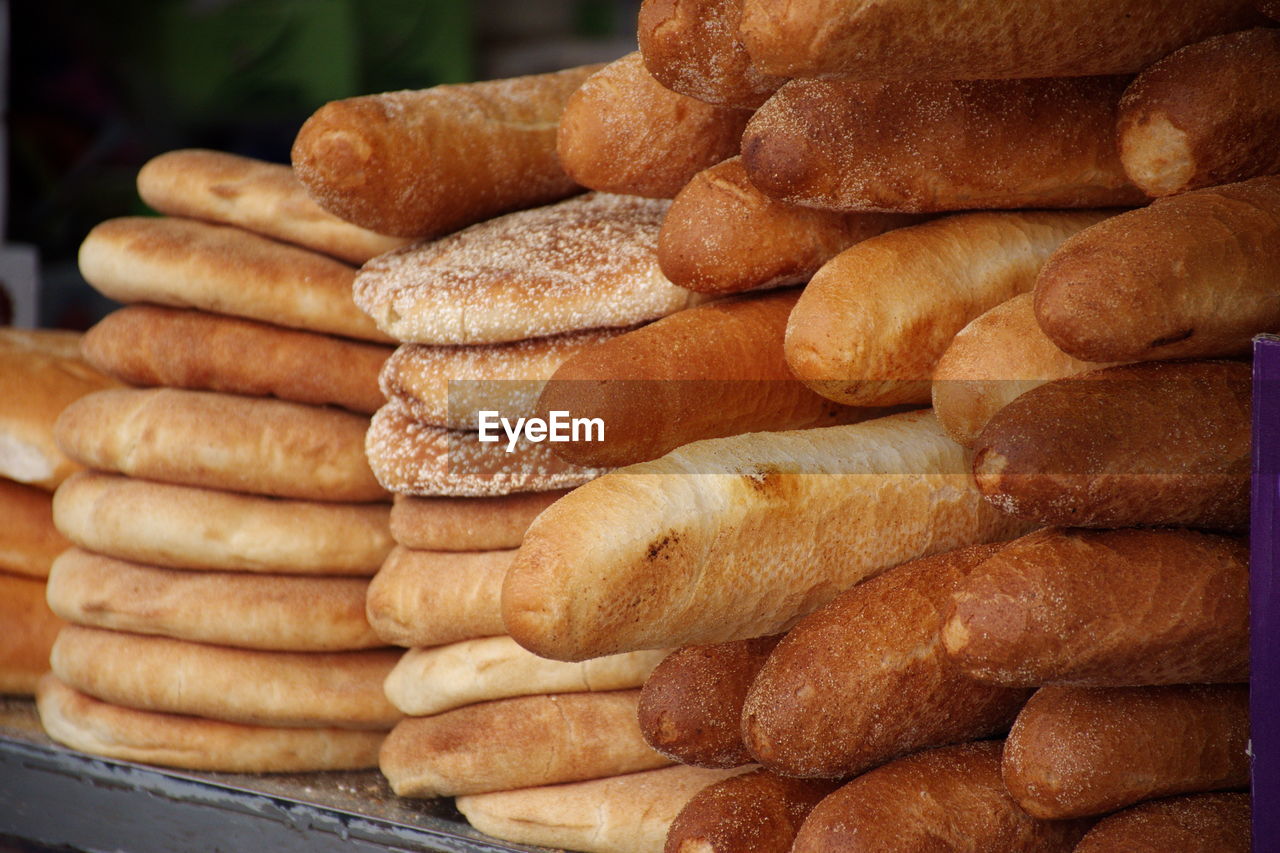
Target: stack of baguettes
{"x":228,"y":526}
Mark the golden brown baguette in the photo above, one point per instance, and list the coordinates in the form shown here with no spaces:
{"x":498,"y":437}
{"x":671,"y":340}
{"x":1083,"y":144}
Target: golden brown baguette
{"x":757,"y":812}
{"x":940,"y":799}
{"x":1079,"y":751}
{"x":1204,"y":115}
{"x":30,"y":629}
{"x":1189,"y":276}
{"x":28,"y":540}
{"x":866,"y":678}
{"x":1198,"y":823}
{"x":936,"y":146}
{"x":429,"y":598}
{"x":722,"y":235}
{"x":691,"y":704}
{"x":624,"y":132}
{"x":1113,"y":607}
{"x":421,"y":163}
{"x":871,"y":325}
{"x":738,"y":537}
{"x":907,"y":40}
{"x":466,"y":524}
{"x":1161,"y":443}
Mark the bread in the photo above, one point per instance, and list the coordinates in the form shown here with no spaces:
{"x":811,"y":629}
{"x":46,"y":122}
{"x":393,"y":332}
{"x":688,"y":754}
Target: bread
{"x":1144,"y":444}
{"x":940,"y":799}
{"x":999,"y":356}
{"x":89,"y":725}
{"x":184,"y":527}
{"x":693,"y":48}
{"x":691,"y":704}
{"x":1079,"y":751}
{"x":903,"y":40}
{"x":149,"y":345}
{"x":585,"y":263}
{"x":1186,"y":277}
{"x":871,"y":325}
{"x":624,"y":132}
{"x":722,"y":235}
{"x":1204,"y":115}
{"x":920,"y":147}
{"x":269,"y":612}
{"x":1270,"y":8}
{"x":757,"y":812}
{"x":1113,"y":607}
{"x":219,"y":441}
{"x":738,"y":537}
{"x":41,"y":372}
{"x":29,"y":631}
{"x":712,"y":371}
{"x":622,"y":814}
{"x":517,"y":743}
{"x":28,"y":540}
{"x":466,"y":524}
{"x":441,"y":678}
{"x":1199,"y":823}
{"x":421,"y":163}
{"x":183,"y":263}
{"x":430,"y":598}
{"x":342,"y":689}
{"x":262,"y":197}
{"x":866,"y":678}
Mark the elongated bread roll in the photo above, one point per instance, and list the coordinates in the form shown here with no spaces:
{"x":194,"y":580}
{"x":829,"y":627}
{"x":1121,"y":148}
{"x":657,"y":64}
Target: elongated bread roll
{"x":871,"y":325}
{"x":28,"y":540}
{"x":908,"y":40}
{"x":1269,"y":7}
{"x":940,"y":799}
{"x":738,"y":537}
{"x":30,"y":629}
{"x":1204,"y":115}
{"x":1189,"y":276}
{"x":757,"y":812}
{"x":1078,"y":751}
{"x":1198,"y":823}
{"x":691,"y":704}
{"x":866,"y":678}
{"x":1114,"y":607}
{"x":429,"y":598}
{"x":423,"y":162}
{"x":517,"y":743}
{"x":1144,"y":444}
{"x":466,"y":524}
{"x":934,"y":146}
{"x":624,"y":132}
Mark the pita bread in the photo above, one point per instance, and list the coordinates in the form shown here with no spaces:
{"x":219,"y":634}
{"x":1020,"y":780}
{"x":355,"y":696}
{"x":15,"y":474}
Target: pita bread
{"x":28,"y":539}
{"x":27,"y":632}
{"x":467,"y":524}
{"x":429,"y":598}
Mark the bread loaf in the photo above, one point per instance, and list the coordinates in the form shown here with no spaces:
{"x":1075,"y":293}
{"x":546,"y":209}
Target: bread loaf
{"x":757,"y":812}
{"x":466,"y":524}
{"x":28,"y":540}
{"x":30,"y":629}
{"x":1269,"y":7}
{"x":1199,"y":823}
{"x":429,"y":598}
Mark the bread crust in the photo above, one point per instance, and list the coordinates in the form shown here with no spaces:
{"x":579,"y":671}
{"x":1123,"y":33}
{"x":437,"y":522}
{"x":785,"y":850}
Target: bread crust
{"x":467,"y":524}
{"x":29,"y":631}
{"x":757,"y":812}
{"x":1198,"y":823}
{"x":28,"y":540}
{"x":430,"y":598}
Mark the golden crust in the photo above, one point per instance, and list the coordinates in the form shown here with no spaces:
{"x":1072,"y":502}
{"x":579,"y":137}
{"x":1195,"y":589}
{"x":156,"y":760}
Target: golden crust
{"x":430,"y":598}
{"x":30,"y":628}
{"x":29,"y":542}
{"x":467,"y":524}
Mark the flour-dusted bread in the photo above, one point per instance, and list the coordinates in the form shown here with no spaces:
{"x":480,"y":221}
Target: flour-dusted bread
{"x":757,"y":812}
{"x":1196,"y":823}
{"x":467,"y":524}
{"x":29,"y":542}
{"x":431,"y":598}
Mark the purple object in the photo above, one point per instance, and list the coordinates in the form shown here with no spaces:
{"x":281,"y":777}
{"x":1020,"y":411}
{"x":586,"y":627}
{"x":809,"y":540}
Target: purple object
{"x":1264,"y":596}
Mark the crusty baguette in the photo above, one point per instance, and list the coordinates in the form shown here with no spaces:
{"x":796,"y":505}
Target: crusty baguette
{"x":871,"y":325}
{"x":30,"y":629}
{"x":263,"y":197}
{"x":1078,"y":751}
{"x":1189,"y":276}
{"x":940,"y":799}
{"x":691,"y":704}
{"x":866,"y":678}
{"x":624,"y":132}
{"x":424,"y":162}
{"x":28,"y":540}
{"x":757,"y":812}
{"x":908,"y":40}
{"x":466,"y":524}
{"x":1204,"y":115}
{"x":1114,"y":607}
{"x":1162,"y":443}
{"x":1197,"y":823}
{"x":738,"y":537}
{"x":430,"y":598}
{"x":999,"y":356}
{"x":1270,"y":8}
{"x":514,"y":743}
{"x":923,"y":147}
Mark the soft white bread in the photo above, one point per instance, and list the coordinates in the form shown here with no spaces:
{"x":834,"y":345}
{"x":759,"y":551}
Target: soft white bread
{"x":28,"y":540}
{"x":430,"y":598}
{"x":467,"y":524}
{"x":738,"y":537}
{"x":29,"y":630}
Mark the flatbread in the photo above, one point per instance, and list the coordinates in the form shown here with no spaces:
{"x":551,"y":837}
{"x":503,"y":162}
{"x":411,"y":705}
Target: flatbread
{"x":28,"y":540}
{"x":467,"y":524}
{"x":27,"y":632}
{"x":429,"y":598}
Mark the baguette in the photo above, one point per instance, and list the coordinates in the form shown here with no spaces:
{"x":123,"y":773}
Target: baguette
{"x":30,"y":629}
{"x":733,"y":538}
{"x":425,"y":598}
{"x":1189,"y":276}
{"x":1204,"y":115}
{"x":937,"y":146}
{"x":1079,"y":751}
{"x":421,"y":163}
{"x":871,"y":325}
{"x":691,"y":704}
{"x":1199,"y":823}
{"x":757,"y":812}
{"x":903,"y":40}
{"x":624,"y":132}
{"x":466,"y":524}
{"x":28,"y":540}
{"x":1270,"y":8}
{"x":866,"y":678}
{"x":1114,"y":607}
{"x":1145,"y":444}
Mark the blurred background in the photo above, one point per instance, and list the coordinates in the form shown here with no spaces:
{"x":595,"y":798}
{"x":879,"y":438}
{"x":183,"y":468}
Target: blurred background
{"x":94,"y":89}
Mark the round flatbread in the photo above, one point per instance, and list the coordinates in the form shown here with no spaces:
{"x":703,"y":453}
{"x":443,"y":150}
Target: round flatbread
{"x":429,"y":598}
{"x":28,"y":540}
{"x":27,"y":632}
{"x":467,"y":524}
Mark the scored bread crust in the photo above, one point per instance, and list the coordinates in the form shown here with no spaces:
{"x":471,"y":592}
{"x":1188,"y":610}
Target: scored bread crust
{"x":430,"y":598}
{"x":467,"y":524}
{"x":30,"y":628}
{"x":29,"y":542}
{"x":1196,"y":823}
